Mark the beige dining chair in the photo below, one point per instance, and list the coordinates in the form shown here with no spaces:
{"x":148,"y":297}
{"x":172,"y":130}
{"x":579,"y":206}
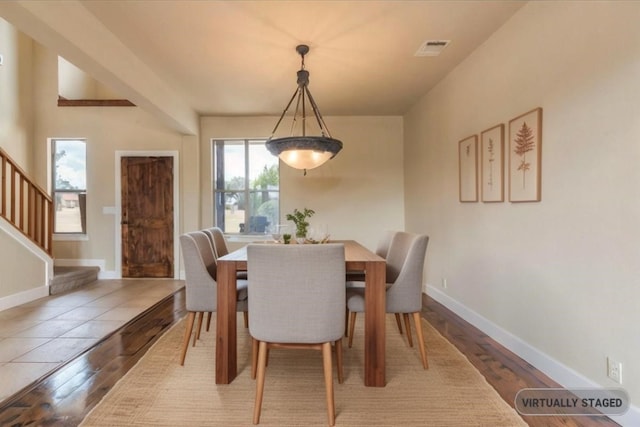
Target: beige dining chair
{"x":217,"y":240}
{"x":297,"y":301}
{"x":219,"y":244}
{"x":200,"y":284}
{"x":405,"y":264}
{"x":355,"y":279}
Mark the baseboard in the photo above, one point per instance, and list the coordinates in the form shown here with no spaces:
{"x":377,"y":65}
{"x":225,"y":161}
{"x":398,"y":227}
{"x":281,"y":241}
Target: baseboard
{"x":555,"y":370}
{"x":109,"y":275}
{"x":23,"y":297}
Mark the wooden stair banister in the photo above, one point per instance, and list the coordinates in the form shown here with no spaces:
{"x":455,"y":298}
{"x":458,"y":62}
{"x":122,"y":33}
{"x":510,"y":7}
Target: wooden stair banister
{"x":26,"y":205}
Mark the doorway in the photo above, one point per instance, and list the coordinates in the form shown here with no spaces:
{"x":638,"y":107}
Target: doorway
{"x":148,"y":219}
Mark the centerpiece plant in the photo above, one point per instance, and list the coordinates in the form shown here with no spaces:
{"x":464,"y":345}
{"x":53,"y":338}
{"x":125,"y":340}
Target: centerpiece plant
{"x":300,"y":219}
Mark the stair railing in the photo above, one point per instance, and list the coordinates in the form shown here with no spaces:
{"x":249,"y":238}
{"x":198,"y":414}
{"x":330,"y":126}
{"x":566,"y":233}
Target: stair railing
{"x":25,"y":205}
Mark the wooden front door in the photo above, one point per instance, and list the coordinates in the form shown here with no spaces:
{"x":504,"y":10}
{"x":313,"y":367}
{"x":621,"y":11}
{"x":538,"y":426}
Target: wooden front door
{"x":147,"y":216}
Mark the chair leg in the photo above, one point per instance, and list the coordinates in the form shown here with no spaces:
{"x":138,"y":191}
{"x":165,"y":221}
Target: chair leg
{"x":346,"y":322}
{"x":352,"y":327}
{"x":208,"y":321}
{"x":246,"y":319}
{"x":398,"y":322}
{"x":254,"y":357}
{"x":407,"y":326}
{"x":339,"y":361}
{"x":187,"y":336}
{"x":197,"y":335}
{"x":262,"y":362}
{"x":328,"y":382}
{"x":423,"y":351}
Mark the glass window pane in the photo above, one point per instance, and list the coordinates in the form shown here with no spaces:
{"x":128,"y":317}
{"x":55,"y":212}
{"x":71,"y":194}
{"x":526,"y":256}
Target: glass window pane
{"x":234,"y":168}
{"x":68,"y":217}
{"x":70,"y":165}
{"x":263,"y":166}
{"x":264,"y":183}
{"x":233,"y":214}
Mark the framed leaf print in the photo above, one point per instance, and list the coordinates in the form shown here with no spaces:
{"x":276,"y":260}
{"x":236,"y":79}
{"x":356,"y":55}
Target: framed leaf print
{"x":492,"y":164}
{"x":468,"y":168}
{"x":525,"y":152}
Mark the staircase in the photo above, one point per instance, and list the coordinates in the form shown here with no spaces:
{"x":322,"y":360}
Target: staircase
{"x":68,"y":278}
{"x":24,"y":204}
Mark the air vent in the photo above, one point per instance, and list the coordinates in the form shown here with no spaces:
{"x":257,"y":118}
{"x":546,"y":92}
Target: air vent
{"x":432,"y":47}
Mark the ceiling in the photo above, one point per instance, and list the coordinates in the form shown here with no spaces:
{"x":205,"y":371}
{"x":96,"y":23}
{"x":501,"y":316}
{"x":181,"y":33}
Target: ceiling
{"x":239,"y":58}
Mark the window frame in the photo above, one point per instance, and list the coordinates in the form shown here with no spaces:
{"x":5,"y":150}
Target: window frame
{"x":218,"y":182}
{"x":67,"y":235}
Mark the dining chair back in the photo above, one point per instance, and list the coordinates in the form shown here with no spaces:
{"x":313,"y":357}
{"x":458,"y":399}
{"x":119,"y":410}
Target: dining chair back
{"x":297,"y":300}
{"x":405,"y":265}
{"x":383,"y":244}
{"x":216,"y":235}
{"x":405,"y":293}
{"x":200,"y":285}
{"x":218,"y":241}
{"x":356,"y":278}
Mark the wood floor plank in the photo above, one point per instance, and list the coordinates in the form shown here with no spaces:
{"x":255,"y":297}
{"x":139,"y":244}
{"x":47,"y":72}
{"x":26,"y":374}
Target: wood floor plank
{"x":504,"y":370}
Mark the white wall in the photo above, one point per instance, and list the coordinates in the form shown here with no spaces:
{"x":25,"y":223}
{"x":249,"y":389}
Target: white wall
{"x":73,"y":83}
{"x":16,"y":99}
{"x":560,"y":276}
{"x":26,"y":270}
{"x":358,"y":194}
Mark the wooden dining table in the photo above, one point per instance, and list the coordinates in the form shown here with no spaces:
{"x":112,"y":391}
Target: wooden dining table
{"x":357,"y":258}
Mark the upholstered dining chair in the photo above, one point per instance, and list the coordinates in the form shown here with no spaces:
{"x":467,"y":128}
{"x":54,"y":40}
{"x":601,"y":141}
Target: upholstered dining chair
{"x":297,"y":301}
{"x":217,"y":239}
{"x":200,"y":284}
{"x":356,"y":278}
{"x":220,"y":248}
{"x":405,"y":264}
{"x":220,"y":245}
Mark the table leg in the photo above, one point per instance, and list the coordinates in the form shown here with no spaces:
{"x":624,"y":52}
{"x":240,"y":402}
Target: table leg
{"x":374,"y":326}
{"x":226,"y":345}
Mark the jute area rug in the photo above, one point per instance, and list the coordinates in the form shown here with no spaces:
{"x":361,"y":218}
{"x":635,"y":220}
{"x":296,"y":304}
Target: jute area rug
{"x":160,"y":392}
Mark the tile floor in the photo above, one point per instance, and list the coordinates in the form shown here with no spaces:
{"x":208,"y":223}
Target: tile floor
{"x":37,"y":337}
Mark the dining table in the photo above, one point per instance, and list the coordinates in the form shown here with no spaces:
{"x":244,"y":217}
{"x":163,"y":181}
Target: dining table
{"x":357,"y":258}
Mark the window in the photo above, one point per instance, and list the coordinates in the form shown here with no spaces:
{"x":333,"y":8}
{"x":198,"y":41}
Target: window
{"x":246,"y":186}
{"x":69,"y":166}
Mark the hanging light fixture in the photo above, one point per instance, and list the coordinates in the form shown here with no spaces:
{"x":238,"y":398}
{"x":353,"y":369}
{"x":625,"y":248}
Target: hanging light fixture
{"x":303,"y":151}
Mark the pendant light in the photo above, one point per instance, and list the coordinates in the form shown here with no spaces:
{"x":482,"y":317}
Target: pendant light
{"x":303,"y":151}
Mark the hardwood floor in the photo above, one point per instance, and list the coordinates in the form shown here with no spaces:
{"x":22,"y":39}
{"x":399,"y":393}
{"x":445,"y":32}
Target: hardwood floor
{"x":504,"y":370}
{"x":66,"y":396}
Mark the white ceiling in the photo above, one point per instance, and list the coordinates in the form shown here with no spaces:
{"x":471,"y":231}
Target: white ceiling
{"x":238,"y":57}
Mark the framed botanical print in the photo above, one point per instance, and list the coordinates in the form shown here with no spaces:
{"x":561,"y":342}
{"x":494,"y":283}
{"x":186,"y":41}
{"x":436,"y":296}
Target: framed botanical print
{"x":492,"y":164}
{"x":468,"y":168}
{"x":525,"y":153}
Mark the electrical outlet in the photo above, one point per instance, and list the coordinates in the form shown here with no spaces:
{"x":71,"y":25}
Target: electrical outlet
{"x":444,"y":283}
{"x":614,"y":370}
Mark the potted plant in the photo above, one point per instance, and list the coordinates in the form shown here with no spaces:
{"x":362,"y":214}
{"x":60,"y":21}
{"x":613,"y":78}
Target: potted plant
{"x":300,"y":219}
